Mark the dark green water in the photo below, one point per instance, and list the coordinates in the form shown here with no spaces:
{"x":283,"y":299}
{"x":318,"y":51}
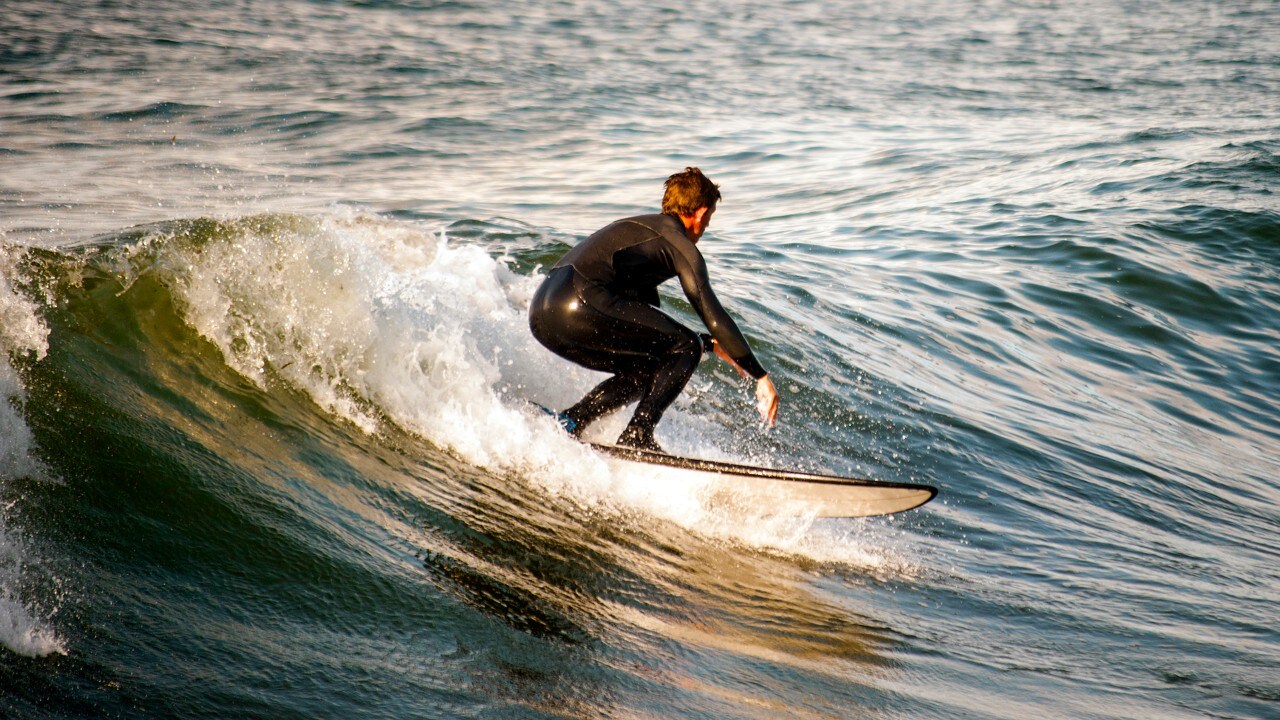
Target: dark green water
{"x":267,"y":449}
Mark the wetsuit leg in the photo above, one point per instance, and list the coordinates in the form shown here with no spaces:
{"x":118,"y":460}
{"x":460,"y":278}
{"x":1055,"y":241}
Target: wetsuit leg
{"x":651,"y":355}
{"x":613,"y":393}
{"x":678,"y":366}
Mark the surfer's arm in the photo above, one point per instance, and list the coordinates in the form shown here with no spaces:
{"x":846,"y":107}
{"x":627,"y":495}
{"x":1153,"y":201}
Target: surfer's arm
{"x":766,"y":393}
{"x":692,"y":271}
{"x":728,"y":342}
{"x":720,"y":353}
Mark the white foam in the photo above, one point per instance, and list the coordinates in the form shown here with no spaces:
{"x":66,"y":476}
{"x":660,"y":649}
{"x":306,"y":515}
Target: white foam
{"x":22,"y":630}
{"x":373,"y":318}
{"x":21,"y":332}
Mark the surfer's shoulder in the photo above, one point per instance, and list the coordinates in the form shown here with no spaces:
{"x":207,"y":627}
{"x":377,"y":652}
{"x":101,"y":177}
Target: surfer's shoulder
{"x":664,"y":225}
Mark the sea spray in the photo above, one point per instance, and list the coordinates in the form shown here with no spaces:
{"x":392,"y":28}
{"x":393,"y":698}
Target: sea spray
{"x":374,"y":321}
{"x":22,"y":333}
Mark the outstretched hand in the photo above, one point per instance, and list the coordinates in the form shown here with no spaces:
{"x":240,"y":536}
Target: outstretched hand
{"x":766,"y":393}
{"x":767,"y":400}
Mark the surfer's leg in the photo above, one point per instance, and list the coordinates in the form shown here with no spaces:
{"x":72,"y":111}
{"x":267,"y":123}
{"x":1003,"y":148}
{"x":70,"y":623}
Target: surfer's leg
{"x":649,"y":354}
{"x":676,"y":367}
{"x":654,"y":381}
{"x":619,"y":390}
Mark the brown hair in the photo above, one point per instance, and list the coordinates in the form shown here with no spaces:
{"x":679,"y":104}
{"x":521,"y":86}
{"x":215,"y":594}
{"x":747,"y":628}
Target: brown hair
{"x":687,"y":191}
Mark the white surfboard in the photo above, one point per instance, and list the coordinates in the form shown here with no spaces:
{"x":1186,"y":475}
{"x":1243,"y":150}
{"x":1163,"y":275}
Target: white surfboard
{"x":827,"y":495}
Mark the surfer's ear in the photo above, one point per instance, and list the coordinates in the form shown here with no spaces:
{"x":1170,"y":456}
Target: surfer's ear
{"x":702,"y":216}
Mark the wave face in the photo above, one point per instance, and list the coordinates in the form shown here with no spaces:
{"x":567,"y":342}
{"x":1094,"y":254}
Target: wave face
{"x":333,"y":415}
{"x":268,"y":446}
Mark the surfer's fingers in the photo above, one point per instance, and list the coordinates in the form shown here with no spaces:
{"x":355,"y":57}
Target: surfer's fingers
{"x":769,"y":414}
{"x":767,"y":400}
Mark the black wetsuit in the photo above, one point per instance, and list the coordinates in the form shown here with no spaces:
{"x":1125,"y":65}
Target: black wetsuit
{"x":598,"y":307}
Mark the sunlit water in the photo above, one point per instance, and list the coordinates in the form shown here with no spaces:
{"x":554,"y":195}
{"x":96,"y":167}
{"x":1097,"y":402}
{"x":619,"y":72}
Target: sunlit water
{"x":268,"y":448}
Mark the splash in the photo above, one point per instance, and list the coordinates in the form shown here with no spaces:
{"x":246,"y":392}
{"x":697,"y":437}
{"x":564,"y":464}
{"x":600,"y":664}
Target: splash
{"x":22,"y":630}
{"x":22,"y":332}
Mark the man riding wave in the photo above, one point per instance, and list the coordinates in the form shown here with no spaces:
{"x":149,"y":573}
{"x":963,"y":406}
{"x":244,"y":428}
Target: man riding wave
{"x":598,"y":307}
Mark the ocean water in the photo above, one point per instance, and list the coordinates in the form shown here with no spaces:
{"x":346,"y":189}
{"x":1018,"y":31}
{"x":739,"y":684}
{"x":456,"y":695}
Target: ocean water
{"x":267,"y":448}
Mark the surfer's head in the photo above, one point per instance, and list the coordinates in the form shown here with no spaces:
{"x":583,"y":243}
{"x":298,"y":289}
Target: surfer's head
{"x":687,"y":191}
{"x":692,"y":197}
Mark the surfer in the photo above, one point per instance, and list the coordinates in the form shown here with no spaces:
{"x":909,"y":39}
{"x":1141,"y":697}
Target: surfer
{"x":598,"y":307}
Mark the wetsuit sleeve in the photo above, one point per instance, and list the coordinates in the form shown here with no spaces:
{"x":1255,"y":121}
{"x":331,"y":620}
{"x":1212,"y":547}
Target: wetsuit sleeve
{"x":692,"y":271}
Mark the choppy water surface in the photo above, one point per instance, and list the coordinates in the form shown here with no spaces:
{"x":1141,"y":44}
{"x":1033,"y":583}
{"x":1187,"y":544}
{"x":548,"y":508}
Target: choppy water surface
{"x":267,"y":450}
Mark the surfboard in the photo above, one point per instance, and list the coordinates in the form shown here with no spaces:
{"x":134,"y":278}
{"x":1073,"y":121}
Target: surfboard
{"x":826,"y":495}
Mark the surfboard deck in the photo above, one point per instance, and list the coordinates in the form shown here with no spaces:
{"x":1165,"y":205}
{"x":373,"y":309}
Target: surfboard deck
{"x":828,"y":495}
